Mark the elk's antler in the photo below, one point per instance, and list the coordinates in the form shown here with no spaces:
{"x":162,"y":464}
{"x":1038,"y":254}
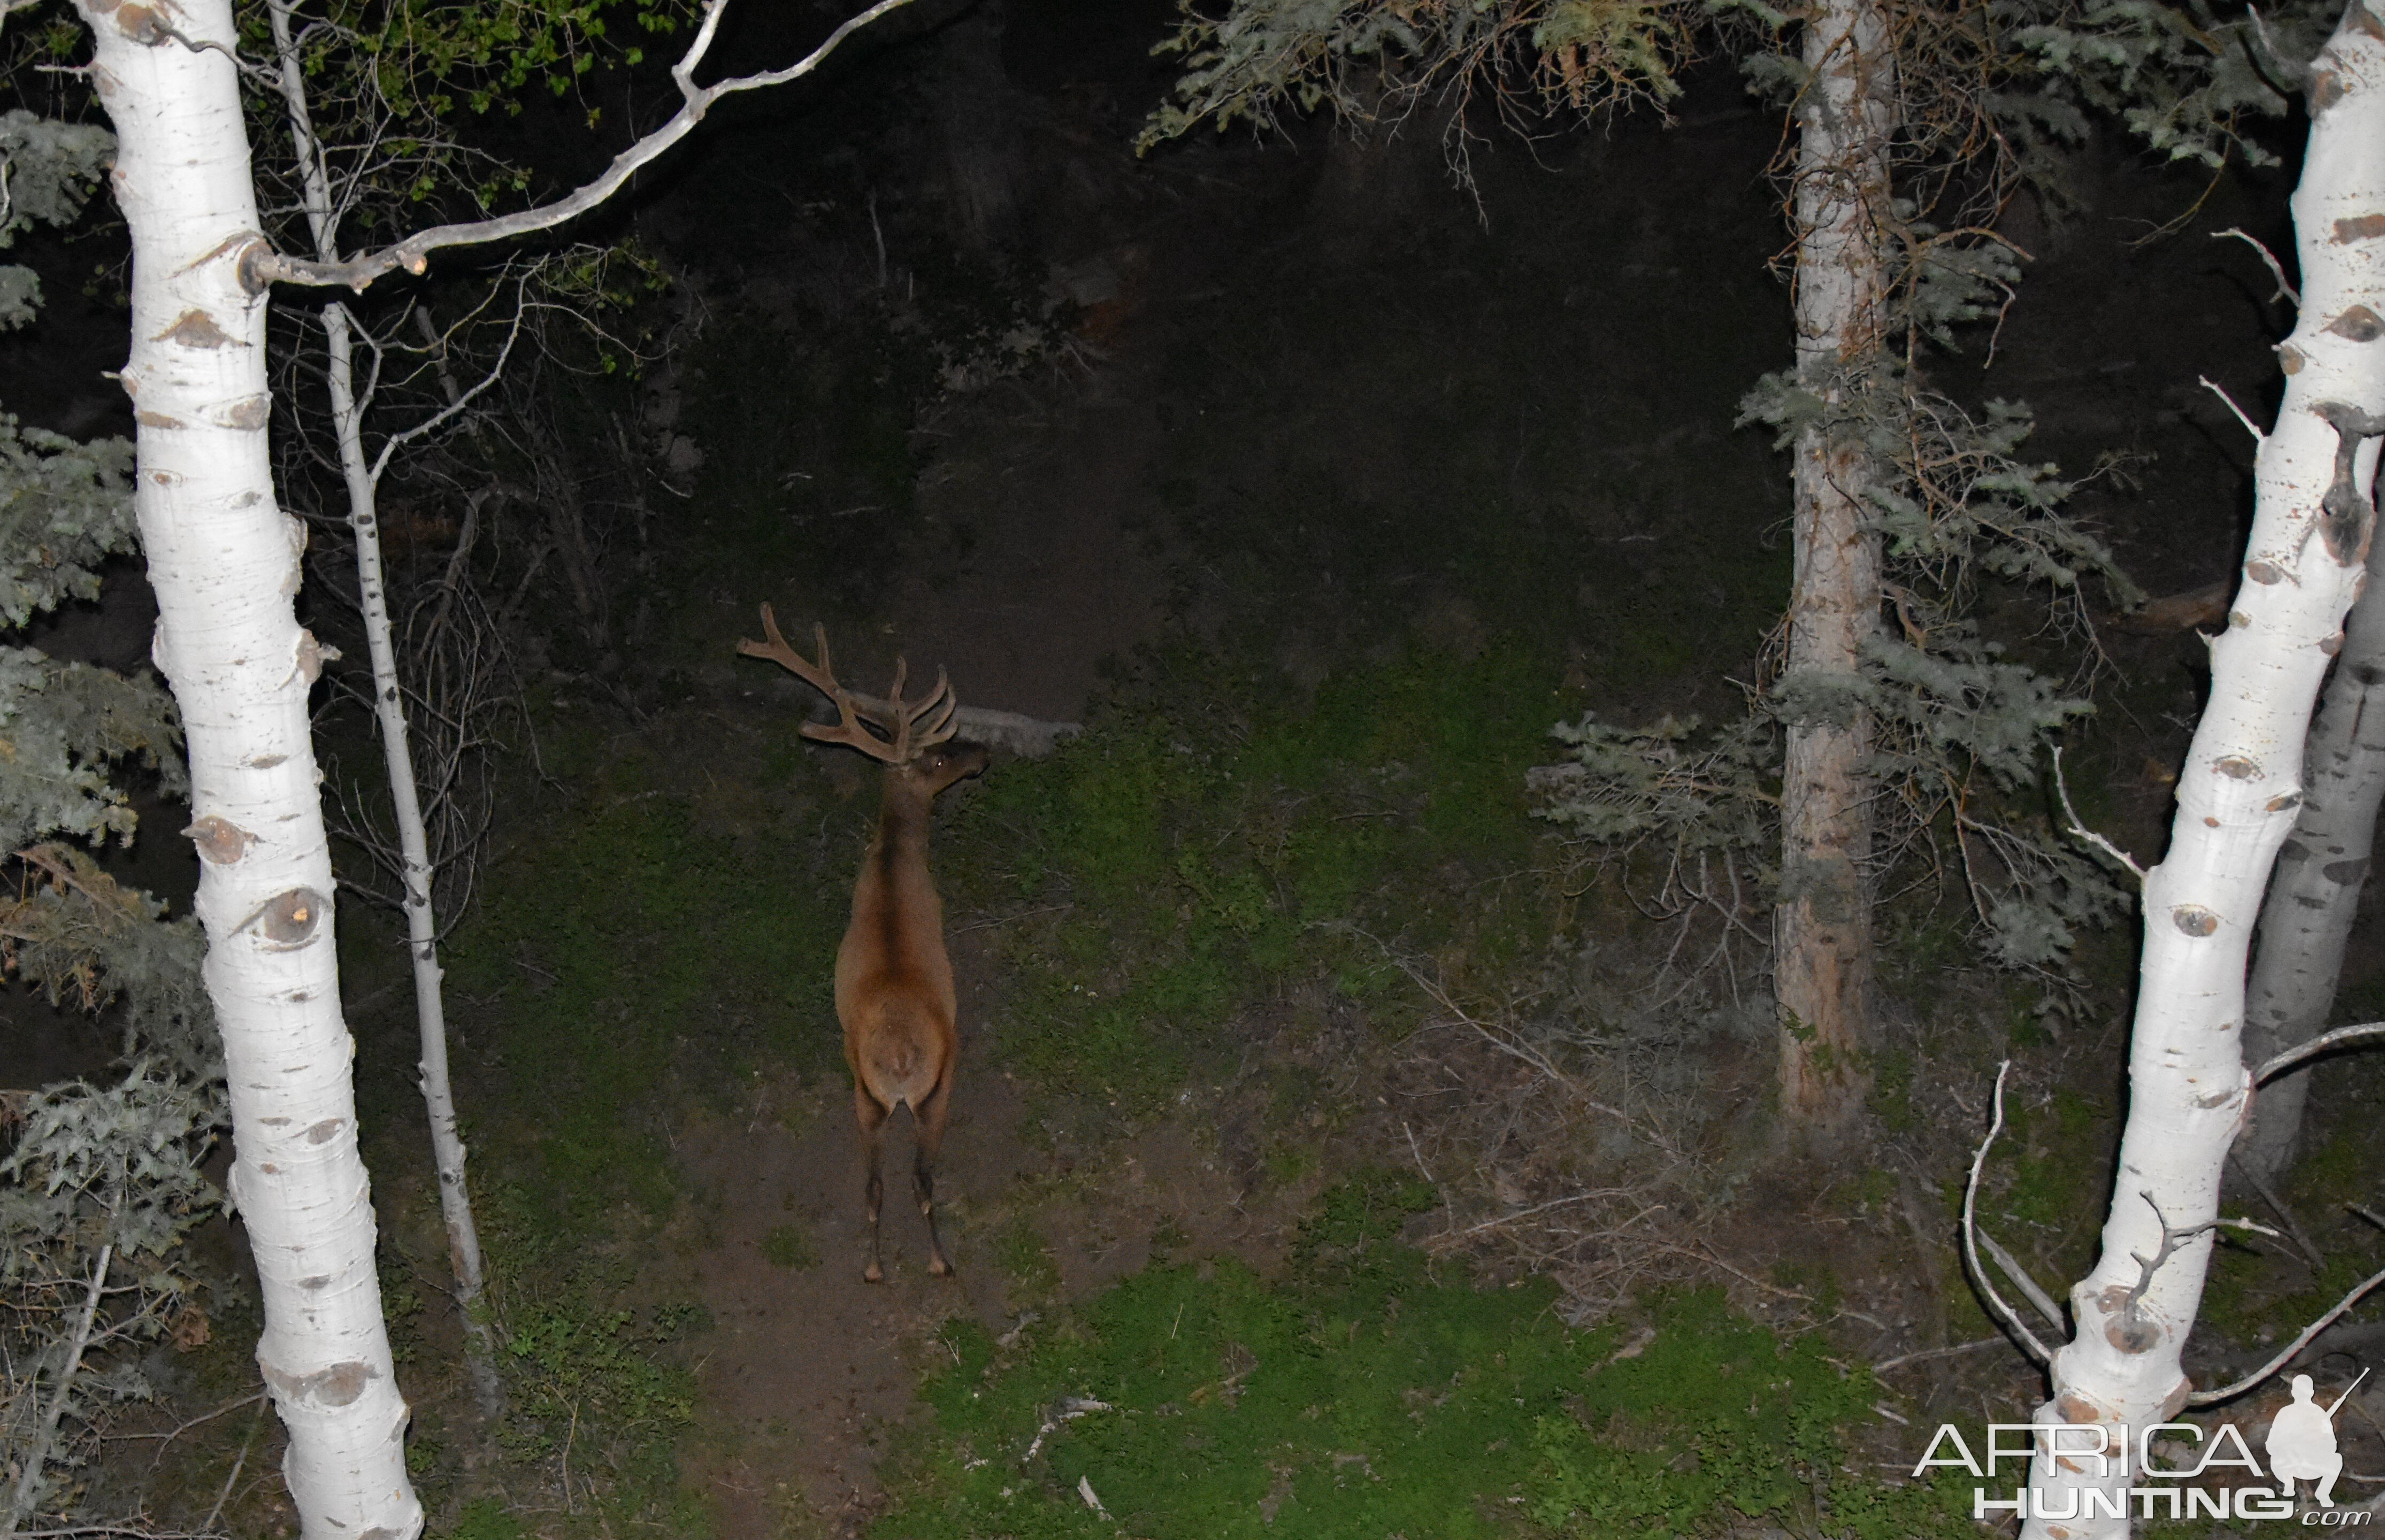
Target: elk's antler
{"x":911,"y":730}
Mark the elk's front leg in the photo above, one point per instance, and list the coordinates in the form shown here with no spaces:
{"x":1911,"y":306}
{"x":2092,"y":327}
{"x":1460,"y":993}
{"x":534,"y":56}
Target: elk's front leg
{"x":872,"y":1119}
{"x":930,"y":1138}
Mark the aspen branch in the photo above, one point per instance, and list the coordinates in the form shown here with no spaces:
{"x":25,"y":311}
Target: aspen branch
{"x":2170,"y":1239}
{"x":1025,"y":736}
{"x":2270,"y":1069}
{"x":264,"y":265}
{"x":2062,"y":788}
{"x":2208,"y":1397}
{"x":2036,"y":1349}
{"x":2286,"y":292}
{"x":2216,"y":390}
{"x":2022,"y":1281}
{"x":457,"y":402}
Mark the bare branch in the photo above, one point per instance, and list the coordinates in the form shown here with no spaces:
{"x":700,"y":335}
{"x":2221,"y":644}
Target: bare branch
{"x":2022,"y":1281}
{"x":37,"y":1454}
{"x":1496,"y":1220}
{"x":2221,"y":391}
{"x":133,"y":1531}
{"x":2063,"y":787}
{"x":2210,"y":1397}
{"x":2278,"y":1206}
{"x":232,"y":1479}
{"x":2170,"y":1239}
{"x":2272,"y":1068}
{"x":263,"y":266}
{"x":2036,"y":1349}
{"x":455,"y":407}
{"x":2286,"y":292}
{"x":1929,"y":1353}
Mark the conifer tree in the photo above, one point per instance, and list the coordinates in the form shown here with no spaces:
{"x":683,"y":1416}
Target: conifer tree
{"x":99,"y":1177}
{"x":1869,"y":739}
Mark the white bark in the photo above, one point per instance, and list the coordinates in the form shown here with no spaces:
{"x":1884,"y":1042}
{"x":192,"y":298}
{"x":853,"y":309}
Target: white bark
{"x":361,"y":479}
{"x":2306,"y":925}
{"x":2189,"y":1087}
{"x":224,"y":560}
{"x":414,"y":849}
{"x":1822,"y":945}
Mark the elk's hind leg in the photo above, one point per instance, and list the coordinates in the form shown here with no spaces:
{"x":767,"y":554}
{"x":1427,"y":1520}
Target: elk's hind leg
{"x":930,"y":1117}
{"x":872,"y":1119}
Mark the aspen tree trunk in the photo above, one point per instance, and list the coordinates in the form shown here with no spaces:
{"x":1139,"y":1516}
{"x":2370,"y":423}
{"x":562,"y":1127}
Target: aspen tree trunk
{"x":1822,"y":945}
{"x":2298,"y":952}
{"x":224,"y":560}
{"x":2189,"y":1088}
{"x":389,"y":710}
{"x":414,"y":849}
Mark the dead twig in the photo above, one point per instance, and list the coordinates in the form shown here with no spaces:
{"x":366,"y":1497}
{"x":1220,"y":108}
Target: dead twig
{"x":2036,"y":1349}
{"x":2210,"y":1397}
{"x":2278,"y":1207}
{"x":1929,"y":1353}
{"x":2022,"y":1281}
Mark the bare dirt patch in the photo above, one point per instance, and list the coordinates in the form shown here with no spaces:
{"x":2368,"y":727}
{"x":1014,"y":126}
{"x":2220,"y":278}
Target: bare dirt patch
{"x":806,"y":1368}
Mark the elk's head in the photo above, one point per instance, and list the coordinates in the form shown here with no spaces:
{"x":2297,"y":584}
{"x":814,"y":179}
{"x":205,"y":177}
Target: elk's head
{"x":913,"y":739}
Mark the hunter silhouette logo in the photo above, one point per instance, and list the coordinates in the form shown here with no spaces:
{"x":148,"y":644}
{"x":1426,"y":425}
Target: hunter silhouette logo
{"x":2300,"y":1447}
{"x":2302,"y":1443}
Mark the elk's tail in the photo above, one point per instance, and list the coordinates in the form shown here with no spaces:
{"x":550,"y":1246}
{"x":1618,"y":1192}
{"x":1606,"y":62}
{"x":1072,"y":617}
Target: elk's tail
{"x":900,"y":1056}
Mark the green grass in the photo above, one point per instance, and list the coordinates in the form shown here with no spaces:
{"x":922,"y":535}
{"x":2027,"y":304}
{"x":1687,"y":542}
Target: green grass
{"x":2248,"y":1289}
{"x":1026,"y":1261}
{"x":486,"y":1518}
{"x":609,"y":1384}
{"x":1373,"y":1392}
{"x":640,"y":953}
{"x":790,"y":1246}
{"x":1211,"y":848}
{"x":627,"y":957}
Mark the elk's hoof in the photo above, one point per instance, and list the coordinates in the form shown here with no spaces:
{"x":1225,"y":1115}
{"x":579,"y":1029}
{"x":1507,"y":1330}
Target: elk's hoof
{"x":873,"y":1274}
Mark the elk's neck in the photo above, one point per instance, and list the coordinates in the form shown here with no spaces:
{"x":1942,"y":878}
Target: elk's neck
{"x":903,"y":820}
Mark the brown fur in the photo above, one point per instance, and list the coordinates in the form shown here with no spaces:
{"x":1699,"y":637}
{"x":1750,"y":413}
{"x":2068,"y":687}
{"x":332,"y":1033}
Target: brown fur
{"x":893,"y":982}
{"x":894,"y":987}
